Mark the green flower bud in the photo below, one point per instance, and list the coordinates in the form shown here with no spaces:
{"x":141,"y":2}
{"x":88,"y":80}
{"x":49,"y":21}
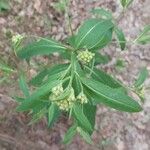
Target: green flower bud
{"x":85,"y":56}
{"x":57,"y":90}
{"x":64,"y":104}
{"x":82,"y":98}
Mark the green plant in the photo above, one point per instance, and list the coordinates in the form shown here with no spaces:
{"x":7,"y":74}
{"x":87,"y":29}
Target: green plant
{"x":78,"y":86}
{"x":4,"y":5}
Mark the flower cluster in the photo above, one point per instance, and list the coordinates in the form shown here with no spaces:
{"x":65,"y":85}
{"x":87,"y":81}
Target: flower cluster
{"x":82,"y":98}
{"x":85,"y":56}
{"x":64,"y":104}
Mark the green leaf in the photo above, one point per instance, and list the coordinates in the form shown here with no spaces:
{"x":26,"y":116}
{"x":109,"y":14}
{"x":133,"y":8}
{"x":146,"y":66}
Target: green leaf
{"x":94,"y":34}
{"x":5,"y":68}
{"x":144,"y":37}
{"x":85,"y":135}
{"x":23,"y":85}
{"x":70,"y":134}
{"x":102,"y":12}
{"x":4,"y":5}
{"x":40,"y":47}
{"x":27,"y":105}
{"x":54,"y":70}
{"x":82,"y":120}
{"x":104,"y":78}
{"x":71,"y":40}
{"x":18,"y":99}
{"x":76,"y":85}
{"x":123,"y":2}
{"x":90,"y":114}
{"x":112,"y":97}
{"x":126,"y":3}
{"x":141,"y":78}
{"x":121,"y":38}
{"x":101,"y":59}
{"x":44,"y":89}
{"x":53,"y":114}
{"x":34,"y":99}
{"x":38,"y":116}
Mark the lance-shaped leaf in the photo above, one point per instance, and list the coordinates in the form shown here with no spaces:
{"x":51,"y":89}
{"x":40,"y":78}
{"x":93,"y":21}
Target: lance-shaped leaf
{"x":4,"y":5}
{"x":112,"y":97}
{"x":121,"y":38}
{"x":126,"y":3}
{"x":90,"y":114}
{"x":85,"y":135}
{"x":94,"y":34}
{"x":141,"y":78}
{"x":144,"y":37}
{"x":102,"y":13}
{"x":34,"y":99}
{"x":40,"y":47}
{"x":53,"y":114}
{"x":29,"y":105}
{"x":23,"y":85}
{"x":81,"y":119}
{"x":55,"y":70}
{"x":70,"y":134}
{"x":5,"y":68}
{"x":105,"y":78}
{"x":101,"y":59}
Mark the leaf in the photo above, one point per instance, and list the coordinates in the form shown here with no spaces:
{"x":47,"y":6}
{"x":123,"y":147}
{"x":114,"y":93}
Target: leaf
{"x":44,"y":89}
{"x":126,"y":3}
{"x":71,"y":40}
{"x":18,"y":99}
{"x":23,"y":85}
{"x":90,"y":114}
{"x":4,"y":67}
{"x":81,"y":118}
{"x":94,"y":34}
{"x":70,"y":134}
{"x":120,"y":37}
{"x":102,"y":12}
{"x":129,"y":3}
{"x":123,"y":2}
{"x":34,"y":99}
{"x":144,"y":37}
{"x":53,"y":114}
{"x":85,"y":135}
{"x":112,"y":97}
{"x":101,"y":59}
{"x":38,"y":116}
{"x":141,"y":78}
{"x":76,"y":85}
{"x":27,"y":105}
{"x":40,"y":47}
{"x":4,"y":5}
{"x":54,"y":70}
{"x":105,"y":78}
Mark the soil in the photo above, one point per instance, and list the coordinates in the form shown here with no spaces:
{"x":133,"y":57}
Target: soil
{"x":115,"y":130}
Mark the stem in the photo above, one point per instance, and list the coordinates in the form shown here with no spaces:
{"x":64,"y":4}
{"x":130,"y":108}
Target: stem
{"x":68,"y":17}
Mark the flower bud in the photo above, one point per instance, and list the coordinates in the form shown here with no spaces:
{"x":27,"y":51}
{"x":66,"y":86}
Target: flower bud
{"x":82,"y":98}
{"x":85,"y":56}
{"x":57,"y":90}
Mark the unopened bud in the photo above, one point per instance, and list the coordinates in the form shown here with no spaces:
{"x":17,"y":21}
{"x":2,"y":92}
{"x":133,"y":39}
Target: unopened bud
{"x":82,"y":98}
{"x":85,"y":56}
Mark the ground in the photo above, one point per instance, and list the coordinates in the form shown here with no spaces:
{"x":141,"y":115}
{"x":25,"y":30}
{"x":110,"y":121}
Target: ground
{"x":115,"y":130}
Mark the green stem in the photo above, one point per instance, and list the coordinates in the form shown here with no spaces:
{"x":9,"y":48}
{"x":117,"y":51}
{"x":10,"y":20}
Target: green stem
{"x":68,"y":17}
